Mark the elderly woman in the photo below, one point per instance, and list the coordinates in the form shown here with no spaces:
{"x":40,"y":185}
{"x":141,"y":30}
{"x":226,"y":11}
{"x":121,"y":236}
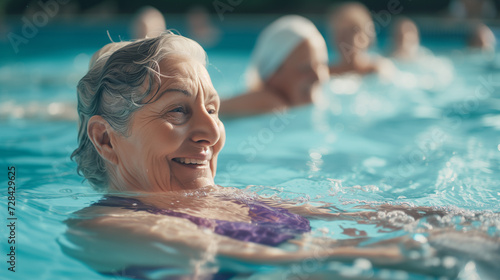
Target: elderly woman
{"x":149,"y":138}
{"x":288,"y":64}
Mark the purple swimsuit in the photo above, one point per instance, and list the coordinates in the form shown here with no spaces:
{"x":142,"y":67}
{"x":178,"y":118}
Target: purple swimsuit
{"x":270,"y":225}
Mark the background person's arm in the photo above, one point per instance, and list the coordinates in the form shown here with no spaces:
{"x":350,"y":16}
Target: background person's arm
{"x":251,"y":103}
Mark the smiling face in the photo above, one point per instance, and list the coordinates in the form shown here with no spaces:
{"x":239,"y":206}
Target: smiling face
{"x":301,"y":74}
{"x":173,"y":142}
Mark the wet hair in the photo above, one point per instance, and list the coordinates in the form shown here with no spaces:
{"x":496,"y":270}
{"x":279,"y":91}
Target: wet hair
{"x":122,"y":78}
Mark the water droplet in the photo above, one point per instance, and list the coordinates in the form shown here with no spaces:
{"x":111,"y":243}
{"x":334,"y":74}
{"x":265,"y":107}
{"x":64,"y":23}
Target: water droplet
{"x":324,"y":230}
{"x":315,"y":155}
{"x":414,"y":255}
{"x":420,"y":238}
{"x":362,"y":264}
{"x":469,"y":271}
{"x":449,"y":262}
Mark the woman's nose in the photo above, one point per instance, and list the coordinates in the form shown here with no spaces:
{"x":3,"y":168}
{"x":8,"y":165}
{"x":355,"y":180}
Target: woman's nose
{"x":205,"y":128}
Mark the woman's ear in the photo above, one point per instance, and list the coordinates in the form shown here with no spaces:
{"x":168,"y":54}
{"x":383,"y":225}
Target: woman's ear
{"x":100,"y":133}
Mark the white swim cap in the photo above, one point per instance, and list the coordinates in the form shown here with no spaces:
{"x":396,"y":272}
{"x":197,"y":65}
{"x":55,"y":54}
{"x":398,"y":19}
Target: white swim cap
{"x":277,"y":41}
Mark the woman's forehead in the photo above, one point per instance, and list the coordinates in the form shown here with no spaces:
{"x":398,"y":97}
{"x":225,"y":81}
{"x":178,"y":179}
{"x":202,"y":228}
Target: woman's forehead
{"x":184,"y":72}
{"x":181,"y":63}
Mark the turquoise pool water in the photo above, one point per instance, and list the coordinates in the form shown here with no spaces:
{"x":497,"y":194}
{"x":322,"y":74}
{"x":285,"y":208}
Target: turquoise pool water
{"x":428,"y":137}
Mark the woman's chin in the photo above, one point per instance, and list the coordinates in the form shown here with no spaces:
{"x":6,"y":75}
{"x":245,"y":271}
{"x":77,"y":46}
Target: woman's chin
{"x":195,"y":184}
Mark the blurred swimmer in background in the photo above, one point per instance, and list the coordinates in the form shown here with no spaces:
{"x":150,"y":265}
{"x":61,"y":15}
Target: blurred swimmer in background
{"x":201,"y":29}
{"x":417,"y":66}
{"x":147,"y":23}
{"x":462,"y":9}
{"x":406,"y":40}
{"x":288,"y":64}
{"x":481,"y":38}
{"x":353,"y":34}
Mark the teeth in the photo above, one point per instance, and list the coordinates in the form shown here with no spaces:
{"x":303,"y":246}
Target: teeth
{"x":191,"y":161}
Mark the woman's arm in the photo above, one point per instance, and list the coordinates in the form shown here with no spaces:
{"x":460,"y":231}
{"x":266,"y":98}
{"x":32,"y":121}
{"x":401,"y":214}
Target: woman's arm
{"x":118,"y":240}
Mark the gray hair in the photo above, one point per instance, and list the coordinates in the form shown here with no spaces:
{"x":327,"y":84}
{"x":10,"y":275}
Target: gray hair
{"x":122,"y":78}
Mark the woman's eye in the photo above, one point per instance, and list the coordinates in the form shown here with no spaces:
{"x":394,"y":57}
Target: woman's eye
{"x":212,"y":109}
{"x":178,"y":110}
{"x":177,"y":115}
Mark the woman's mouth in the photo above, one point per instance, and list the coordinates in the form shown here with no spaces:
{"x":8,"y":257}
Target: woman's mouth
{"x":191,"y":161}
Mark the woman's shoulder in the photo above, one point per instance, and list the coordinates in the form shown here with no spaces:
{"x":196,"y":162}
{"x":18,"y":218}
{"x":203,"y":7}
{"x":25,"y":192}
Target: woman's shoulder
{"x":101,"y":215}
